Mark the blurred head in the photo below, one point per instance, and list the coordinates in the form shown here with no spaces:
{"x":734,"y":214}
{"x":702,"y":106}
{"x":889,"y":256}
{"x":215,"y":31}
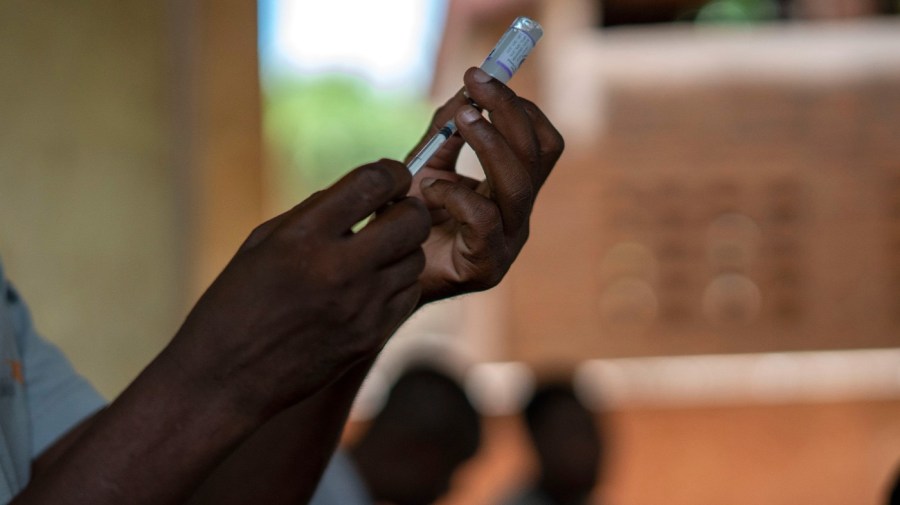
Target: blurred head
{"x":566,"y":440}
{"x":425,"y":431}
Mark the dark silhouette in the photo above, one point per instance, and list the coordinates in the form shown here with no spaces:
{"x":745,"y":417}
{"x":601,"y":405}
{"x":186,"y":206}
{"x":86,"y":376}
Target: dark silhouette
{"x":425,"y":431}
{"x":568,"y":448}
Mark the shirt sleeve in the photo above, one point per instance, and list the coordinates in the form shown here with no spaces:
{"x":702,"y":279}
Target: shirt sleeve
{"x":57,"y":397}
{"x":341,"y":484}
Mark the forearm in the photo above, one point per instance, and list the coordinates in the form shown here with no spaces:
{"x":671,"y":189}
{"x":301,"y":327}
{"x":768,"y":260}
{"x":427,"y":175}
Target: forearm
{"x":282,"y":462}
{"x":301,"y":302}
{"x":155,"y":444}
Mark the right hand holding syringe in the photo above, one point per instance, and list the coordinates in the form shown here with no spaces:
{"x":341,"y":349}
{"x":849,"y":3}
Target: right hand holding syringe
{"x":503,"y":61}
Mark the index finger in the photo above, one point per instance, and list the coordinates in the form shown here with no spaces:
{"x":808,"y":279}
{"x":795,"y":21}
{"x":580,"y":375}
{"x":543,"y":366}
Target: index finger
{"x":356,"y":196}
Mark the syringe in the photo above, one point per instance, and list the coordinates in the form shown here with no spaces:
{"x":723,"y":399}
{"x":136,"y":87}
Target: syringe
{"x":503,"y":61}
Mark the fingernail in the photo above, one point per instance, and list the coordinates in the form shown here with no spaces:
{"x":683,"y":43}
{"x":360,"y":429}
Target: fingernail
{"x":481,"y":76}
{"x":469,"y":115}
{"x":428,"y":181}
{"x":472,"y":102}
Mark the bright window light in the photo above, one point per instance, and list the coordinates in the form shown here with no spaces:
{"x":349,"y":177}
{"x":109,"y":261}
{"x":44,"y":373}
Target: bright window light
{"x":390,"y":44}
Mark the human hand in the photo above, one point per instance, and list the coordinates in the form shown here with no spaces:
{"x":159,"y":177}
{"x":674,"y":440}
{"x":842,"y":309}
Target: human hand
{"x":305,"y":297}
{"x":479,"y":227}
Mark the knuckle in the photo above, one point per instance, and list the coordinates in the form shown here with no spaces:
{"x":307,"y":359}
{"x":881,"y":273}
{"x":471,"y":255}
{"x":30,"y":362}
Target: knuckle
{"x":297,"y":234}
{"x":475,"y":196}
{"x":507,"y":98}
{"x":524,"y":234}
{"x":373,"y":185}
{"x":528,"y":105}
{"x":375,"y":176}
{"x":523,"y":197}
{"x":313,"y":197}
{"x":489,"y":223}
{"x":487,"y":215}
{"x":531,"y":151}
{"x":557,"y":143}
{"x":255,"y":237}
{"x":258,"y":232}
{"x":554,"y":143}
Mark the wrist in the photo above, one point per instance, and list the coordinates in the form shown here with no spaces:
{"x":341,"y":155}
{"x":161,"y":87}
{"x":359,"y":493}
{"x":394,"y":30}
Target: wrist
{"x":154,"y":444}
{"x":199,"y":387}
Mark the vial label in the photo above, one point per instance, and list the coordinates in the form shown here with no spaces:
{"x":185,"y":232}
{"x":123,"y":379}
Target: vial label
{"x":508,"y":55}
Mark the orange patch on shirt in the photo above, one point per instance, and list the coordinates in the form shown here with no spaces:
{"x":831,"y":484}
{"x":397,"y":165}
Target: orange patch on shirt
{"x":16,"y":371}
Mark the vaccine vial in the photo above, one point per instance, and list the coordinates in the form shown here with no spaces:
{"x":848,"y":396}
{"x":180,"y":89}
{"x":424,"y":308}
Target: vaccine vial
{"x":501,"y":64}
{"x":512,"y":49}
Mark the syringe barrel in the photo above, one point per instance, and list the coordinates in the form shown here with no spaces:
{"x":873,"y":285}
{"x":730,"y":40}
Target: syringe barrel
{"x":512,"y":49}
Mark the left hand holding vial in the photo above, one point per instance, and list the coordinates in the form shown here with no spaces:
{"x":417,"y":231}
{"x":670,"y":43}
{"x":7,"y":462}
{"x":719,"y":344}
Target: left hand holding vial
{"x":479,"y":227}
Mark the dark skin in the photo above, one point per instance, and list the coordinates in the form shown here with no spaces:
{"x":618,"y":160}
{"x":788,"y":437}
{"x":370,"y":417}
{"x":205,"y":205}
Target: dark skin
{"x":247,"y":402}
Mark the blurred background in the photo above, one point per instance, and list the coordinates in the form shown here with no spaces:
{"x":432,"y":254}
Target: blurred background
{"x":715,"y":263}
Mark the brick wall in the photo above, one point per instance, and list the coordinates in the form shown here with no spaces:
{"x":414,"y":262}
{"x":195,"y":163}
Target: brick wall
{"x":718,"y":213}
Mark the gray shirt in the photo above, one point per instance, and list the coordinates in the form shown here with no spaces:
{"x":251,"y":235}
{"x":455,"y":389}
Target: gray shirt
{"x":341,"y":484}
{"x":41,"y":396}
